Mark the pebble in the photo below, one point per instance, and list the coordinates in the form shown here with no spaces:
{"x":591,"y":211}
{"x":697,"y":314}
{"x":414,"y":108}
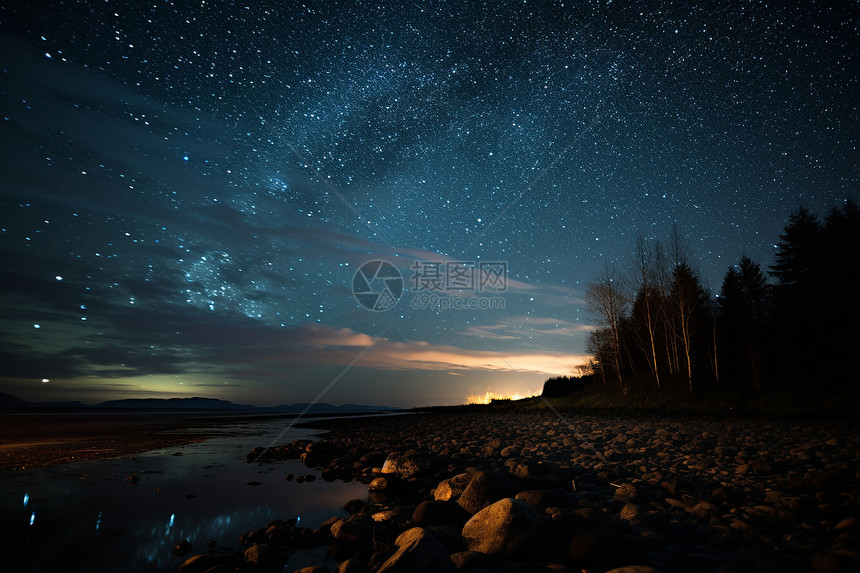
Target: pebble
{"x":635,"y":493}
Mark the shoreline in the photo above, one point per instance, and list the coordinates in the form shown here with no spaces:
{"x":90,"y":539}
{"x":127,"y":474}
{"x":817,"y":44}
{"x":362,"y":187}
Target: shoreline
{"x":44,"y":438}
{"x":29,"y":438}
{"x":593,"y":492}
{"x":676,"y":494}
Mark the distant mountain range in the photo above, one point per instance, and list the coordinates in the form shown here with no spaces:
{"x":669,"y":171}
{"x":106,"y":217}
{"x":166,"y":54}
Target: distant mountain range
{"x":10,"y":402}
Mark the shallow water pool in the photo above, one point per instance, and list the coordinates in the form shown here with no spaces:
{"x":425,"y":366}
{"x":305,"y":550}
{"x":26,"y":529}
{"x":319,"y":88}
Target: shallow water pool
{"x":85,"y":516}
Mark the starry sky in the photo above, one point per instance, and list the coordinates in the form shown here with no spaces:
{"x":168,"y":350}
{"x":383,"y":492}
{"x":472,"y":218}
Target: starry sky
{"x":189,"y":188}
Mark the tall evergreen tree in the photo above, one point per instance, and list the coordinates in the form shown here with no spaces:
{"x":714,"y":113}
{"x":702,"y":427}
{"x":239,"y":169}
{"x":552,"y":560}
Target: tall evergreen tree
{"x":799,"y":260}
{"x":744,"y":311}
{"x":840,"y":283}
{"x":798,"y":250}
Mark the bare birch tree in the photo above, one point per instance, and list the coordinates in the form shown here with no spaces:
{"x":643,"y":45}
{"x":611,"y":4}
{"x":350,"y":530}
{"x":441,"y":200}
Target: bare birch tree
{"x":687,"y":296}
{"x":647,"y":301}
{"x":606,"y":298}
{"x":667,"y":316}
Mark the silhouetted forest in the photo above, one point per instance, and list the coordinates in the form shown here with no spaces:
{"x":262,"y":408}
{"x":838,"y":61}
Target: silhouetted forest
{"x":793,"y":323}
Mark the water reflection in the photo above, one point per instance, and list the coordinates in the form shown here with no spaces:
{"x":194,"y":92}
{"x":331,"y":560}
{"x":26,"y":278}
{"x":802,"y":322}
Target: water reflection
{"x":91,"y":517}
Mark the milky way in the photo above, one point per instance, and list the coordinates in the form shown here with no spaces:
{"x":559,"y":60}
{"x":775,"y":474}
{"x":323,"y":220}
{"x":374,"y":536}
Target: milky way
{"x":189,"y":188}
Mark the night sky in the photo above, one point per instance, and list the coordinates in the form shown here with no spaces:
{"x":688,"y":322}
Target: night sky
{"x":188,"y":189}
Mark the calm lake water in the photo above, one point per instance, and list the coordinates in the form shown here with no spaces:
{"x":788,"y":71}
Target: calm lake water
{"x":85,"y":516}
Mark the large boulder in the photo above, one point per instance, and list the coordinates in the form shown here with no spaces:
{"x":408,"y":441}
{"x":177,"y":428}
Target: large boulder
{"x":378,"y":484}
{"x":407,"y":464}
{"x":451,"y":488}
{"x":353,"y":529}
{"x":506,"y":528}
{"x":485,"y":488}
{"x":418,"y":552}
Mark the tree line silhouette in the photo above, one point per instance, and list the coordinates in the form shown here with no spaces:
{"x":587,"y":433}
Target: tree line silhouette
{"x":794,"y":324}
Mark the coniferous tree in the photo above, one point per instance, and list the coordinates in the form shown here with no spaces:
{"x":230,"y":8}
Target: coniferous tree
{"x":744,"y":311}
{"x":798,"y":262}
{"x":839,"y":284}
{"x":798,"y":251}
{"x":755,"y":334}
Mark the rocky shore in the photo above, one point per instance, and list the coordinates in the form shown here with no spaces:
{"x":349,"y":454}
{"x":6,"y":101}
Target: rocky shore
{"x":487,"y":491}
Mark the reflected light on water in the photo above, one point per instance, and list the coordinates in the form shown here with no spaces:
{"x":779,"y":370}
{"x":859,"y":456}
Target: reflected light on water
{"x":90,"y":505}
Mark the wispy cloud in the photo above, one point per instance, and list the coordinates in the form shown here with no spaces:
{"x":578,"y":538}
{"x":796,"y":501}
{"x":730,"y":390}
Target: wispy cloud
{"x":326,"y":346}
{"x":521,"y":327}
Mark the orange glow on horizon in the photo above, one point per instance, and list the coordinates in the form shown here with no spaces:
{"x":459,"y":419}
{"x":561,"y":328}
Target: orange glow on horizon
{"x":488,"y":396}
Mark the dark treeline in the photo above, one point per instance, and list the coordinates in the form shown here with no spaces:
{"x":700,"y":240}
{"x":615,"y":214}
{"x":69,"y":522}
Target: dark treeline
{"x":792,"y":323}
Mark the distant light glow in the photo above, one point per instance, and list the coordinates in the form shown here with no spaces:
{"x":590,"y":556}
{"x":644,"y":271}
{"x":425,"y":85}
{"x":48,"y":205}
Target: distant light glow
{"x":32,"y":518}
{"x":45,"y":380}
{"x":489,"y":396}
{"x":26,"y":499}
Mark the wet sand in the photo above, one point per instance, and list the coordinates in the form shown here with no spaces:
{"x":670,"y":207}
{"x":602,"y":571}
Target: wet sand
{"x":32,"y":440}
{"x":40,"y":439}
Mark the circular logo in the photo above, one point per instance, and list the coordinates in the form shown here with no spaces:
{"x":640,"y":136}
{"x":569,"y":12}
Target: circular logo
{"x":377,"y":285}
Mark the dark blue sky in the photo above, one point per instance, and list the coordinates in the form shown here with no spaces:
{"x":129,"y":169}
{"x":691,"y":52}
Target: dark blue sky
{"x":189,"y":188}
